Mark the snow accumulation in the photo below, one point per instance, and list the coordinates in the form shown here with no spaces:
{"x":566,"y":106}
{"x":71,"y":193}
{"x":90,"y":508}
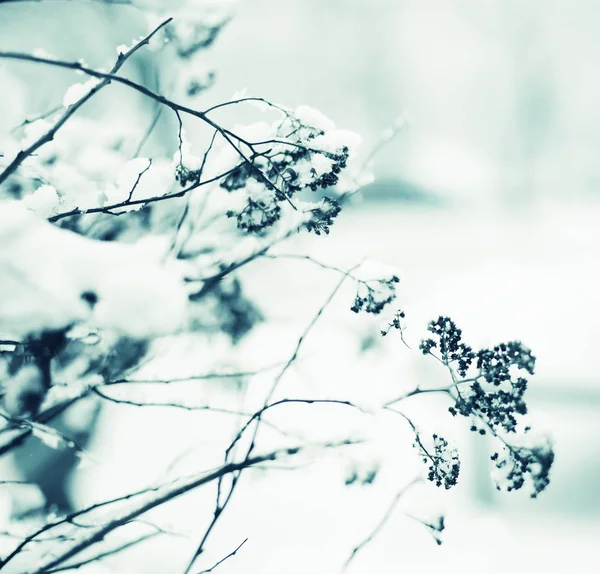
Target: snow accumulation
{"x":45,"y":270}
{"x":334,"y":140}
{"x":138,"y":179}
{"x":312,"y":117}
{"x":77,"y":91}
{"x":44,"y":201}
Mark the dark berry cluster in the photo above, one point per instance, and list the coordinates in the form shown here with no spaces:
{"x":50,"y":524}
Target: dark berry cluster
{"x":281,"y":179}
{"x":444,"y":464}
{"x":187,"y":176}
{"x":257,"y":216}
{"x":495,"y":363}
{"x":518,"y":463}
{"x":497,"y":396}
{"x":449,"y":343}
{"x":331,"y":178}
{"x":493,"y":398}
{"x":238,"y":178}
{"x":322,"y":217}
{"x":284,"y":172}
{"x":225,"y":308}
{"x":497,"y":408}
{"x":373,"y":296}
{"x":394,"y":324}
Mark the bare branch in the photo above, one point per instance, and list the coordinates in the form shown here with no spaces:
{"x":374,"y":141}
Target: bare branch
{"x":43,"y":417}
{"x":223,"y":559}
{"x":105,"y":554}
{"x":137,"y":181}
{"x":386,"y":516}
{"x":169,"y":494}
{"x":203,"y":377}
{"x":70,"y":519}
{"x":49,"y":135}
{"x":149,"y":131}
{"x":110,"y":208}
{"x":111,"y":76}
{"x":169,"y":405}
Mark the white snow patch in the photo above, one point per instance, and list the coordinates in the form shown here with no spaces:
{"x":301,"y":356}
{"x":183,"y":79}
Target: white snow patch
{"x":314,"y":118}
{"x":44,"y":201}
{"x":77,"y":91}
{"x":44,"y":270}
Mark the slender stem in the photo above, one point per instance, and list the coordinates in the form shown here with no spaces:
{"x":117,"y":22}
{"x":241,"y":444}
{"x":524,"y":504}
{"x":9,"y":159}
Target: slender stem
{"x":163,"y":497}
{"x":49,"y":135}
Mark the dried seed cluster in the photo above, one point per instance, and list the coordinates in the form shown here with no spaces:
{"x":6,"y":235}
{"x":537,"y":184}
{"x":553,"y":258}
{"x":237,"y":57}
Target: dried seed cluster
{"x":493,"y":398}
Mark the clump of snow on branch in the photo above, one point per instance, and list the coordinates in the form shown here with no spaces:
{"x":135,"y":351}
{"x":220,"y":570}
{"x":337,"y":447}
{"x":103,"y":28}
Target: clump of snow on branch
{"x":44,"y":271}
{"x":44,"y":201}
{"x":270,"y":168}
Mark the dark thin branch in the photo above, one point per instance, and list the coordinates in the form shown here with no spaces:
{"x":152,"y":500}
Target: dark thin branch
{"x":203,"y":377}
{"x":70,"y":519}
{"x":149,"y":131}
{"x":220,"y":506}
{"x":105,"y":554}
{"x":386,"y":516}
{"x":316,"y":262}
{"x":419,"y":391}
{"x":416,"y":433}
{"x":169,"y":494}
{"x":177,"y":108}
{"x":211,"y":281}
{"x":49,"y":135}
{"x":186,"y":208}
{"x":43,"y":116}
{"x":169,"y":405}
{"x":241,"y":100}
{"x":108,"y":209}
{"x":139,"y":177}
{"x":264,"y":409}
{"x":257,"y":416}
{"x":179,"y":136}
{"x":44,"y":418}
{"x":223,"y":559}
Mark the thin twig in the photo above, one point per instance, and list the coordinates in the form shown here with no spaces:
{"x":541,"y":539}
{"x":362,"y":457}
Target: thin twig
{"x":44,"y":417}
{"x":177,"y":108}
{"x":386,"y":516}
{"x":105,"y":554}
{"x":149,"y":131}
{"x":169,"y":494}
{"x":256,"y":418}
{"x":169,"y":405}
{"x":202,"y":377}
{"x":223,"y":559}
{"x":110,"y":208}
{"x":49,"y":135}
{"x":139,"y":177}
